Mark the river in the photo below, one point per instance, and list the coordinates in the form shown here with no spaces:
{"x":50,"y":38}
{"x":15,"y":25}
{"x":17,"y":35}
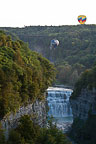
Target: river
{"x":59,"y":107}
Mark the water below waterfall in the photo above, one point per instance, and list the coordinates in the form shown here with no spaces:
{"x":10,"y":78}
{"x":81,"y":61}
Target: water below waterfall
{"x":59,"y":106}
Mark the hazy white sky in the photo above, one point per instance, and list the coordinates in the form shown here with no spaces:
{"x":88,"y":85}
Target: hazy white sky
{"x":19,"y":13}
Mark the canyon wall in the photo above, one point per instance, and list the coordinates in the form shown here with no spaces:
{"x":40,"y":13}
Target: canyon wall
{"x":84,"y":104}
{"x":37,"y":111}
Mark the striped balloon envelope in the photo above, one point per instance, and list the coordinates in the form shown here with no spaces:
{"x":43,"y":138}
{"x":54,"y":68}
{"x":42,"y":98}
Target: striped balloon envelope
{"x":82,"y":19}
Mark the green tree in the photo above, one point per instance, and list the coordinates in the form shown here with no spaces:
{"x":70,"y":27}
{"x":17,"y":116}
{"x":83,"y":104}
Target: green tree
{"x":2,"y":137}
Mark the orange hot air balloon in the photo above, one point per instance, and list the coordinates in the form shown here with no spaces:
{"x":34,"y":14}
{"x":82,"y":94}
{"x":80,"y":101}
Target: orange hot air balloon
{"x":82,"y":19}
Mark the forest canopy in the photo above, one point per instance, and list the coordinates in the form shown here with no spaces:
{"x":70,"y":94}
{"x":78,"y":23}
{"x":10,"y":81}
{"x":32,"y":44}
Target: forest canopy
{"x":86,"y":81}
{"x":76,"y":51}
{"x":24,"y":75}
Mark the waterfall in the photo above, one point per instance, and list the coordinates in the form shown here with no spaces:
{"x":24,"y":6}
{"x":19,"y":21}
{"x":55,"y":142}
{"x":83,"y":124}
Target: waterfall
{"x":58,"y":102}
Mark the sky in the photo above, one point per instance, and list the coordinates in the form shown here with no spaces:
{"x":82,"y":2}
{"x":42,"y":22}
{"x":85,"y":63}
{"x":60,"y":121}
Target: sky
{"x":20,"y":13}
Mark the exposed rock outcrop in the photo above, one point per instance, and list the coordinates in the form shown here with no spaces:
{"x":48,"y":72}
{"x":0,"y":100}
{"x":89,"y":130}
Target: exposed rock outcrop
{"x":37,"y":110}
{"x":84,"y":104}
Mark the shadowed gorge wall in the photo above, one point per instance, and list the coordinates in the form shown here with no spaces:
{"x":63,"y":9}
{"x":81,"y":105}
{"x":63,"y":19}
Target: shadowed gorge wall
{"x":83,"y":102}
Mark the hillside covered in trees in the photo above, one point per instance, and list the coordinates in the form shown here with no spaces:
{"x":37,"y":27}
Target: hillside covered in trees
{"x":24,"y":75}
{"x":86,"y":81}
{"x":75,"y":53}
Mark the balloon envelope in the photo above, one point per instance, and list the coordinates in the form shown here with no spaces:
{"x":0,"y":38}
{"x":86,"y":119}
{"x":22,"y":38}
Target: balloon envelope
{"x":82,"y":19}
{"x":54,"y":43}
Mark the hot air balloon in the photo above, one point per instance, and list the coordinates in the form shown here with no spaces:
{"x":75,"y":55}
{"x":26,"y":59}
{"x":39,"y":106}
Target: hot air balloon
{"x":82,"y":19}
{"x":54,"y":43}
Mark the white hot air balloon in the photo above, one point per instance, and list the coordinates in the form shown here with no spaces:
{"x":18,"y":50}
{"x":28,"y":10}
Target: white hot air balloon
{"x":54,"y":43}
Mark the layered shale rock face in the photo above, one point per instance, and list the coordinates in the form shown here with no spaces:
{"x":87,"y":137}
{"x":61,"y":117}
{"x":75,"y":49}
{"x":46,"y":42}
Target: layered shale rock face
{"x":37,"y":111}
{"x":84,"y":104}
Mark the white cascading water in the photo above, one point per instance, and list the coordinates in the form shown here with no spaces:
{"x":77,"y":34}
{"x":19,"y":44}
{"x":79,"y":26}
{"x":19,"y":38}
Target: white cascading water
{"x":59,"y":105}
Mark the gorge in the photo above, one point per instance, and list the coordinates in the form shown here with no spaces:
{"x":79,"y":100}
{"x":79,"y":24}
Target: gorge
{"x":24,"y":77}
{"x":59,"y":107}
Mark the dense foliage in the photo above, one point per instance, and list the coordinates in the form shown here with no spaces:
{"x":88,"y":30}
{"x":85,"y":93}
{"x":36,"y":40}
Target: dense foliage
{"x":87,"y":80}
{"x":24,"y":75}
{"x":29,"y":133}
{"x":2,"y":137}
{"x":77,"y":47}
{"x":84,"y":132}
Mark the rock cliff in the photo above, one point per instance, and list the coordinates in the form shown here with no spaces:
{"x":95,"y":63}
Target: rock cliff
{"x":84,"y":104}
{"x":37,"y":111}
